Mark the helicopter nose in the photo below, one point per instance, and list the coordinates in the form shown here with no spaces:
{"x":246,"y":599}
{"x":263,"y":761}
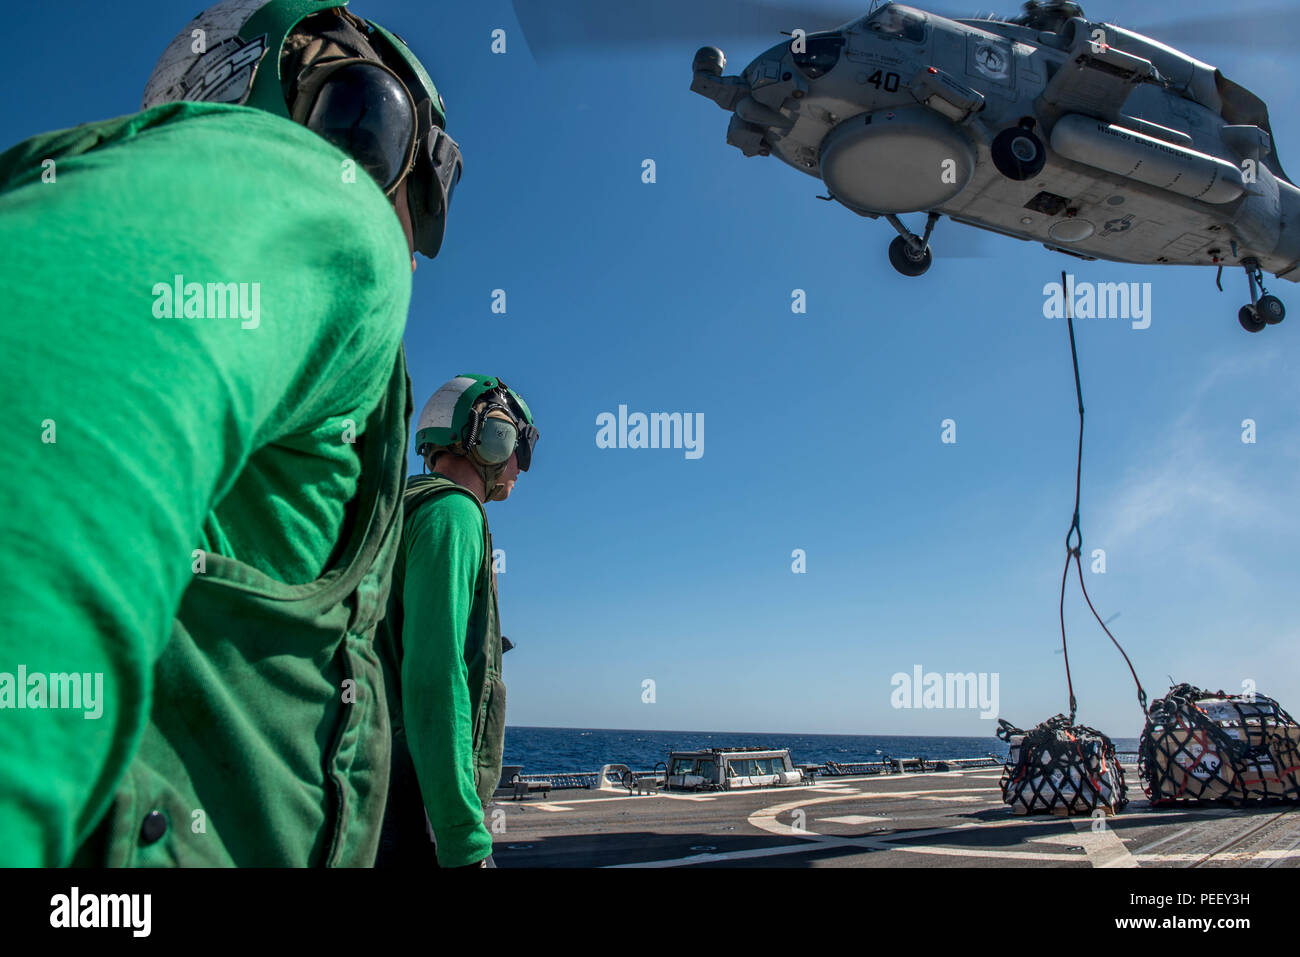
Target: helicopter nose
{"x":709,"y":60}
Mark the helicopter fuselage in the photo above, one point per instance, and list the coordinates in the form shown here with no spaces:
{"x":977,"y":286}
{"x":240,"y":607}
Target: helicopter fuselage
{"x":1147,"y":155}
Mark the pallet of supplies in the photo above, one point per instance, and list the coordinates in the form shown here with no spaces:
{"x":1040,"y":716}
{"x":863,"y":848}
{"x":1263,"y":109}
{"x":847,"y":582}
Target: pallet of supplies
{"x":1061,"y":768}
{"x":1209,"y":746}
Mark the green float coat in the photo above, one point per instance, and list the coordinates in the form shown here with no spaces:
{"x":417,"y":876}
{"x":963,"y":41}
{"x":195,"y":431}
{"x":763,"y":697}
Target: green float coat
{"x":443,"y":630}
{"x":243,"y":703}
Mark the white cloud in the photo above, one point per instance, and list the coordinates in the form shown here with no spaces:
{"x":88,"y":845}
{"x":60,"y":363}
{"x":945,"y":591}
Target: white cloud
{"x":1197,"y":492}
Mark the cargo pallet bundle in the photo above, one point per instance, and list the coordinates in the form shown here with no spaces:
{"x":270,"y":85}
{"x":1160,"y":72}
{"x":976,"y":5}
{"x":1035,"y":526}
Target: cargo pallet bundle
{"x":1209,"y":746}
{"x":1061,"y":768}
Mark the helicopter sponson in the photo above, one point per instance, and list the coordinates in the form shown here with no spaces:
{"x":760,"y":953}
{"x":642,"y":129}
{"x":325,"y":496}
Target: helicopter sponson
{"x":1094,"y":140}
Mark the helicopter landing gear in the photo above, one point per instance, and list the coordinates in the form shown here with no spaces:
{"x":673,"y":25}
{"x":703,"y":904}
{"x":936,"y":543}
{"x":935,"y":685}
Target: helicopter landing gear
{"x":1263,"y":310}
{"x":902,"y":258}
{"x":1270,"y":309}
{"x":910,"y":253}
{"x":1017,"y":153}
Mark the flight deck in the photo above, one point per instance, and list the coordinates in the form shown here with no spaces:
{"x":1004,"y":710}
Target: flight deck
{"x":932,"y":819}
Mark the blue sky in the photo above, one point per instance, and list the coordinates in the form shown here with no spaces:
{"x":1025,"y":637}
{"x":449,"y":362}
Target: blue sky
{"x":822,"y":430}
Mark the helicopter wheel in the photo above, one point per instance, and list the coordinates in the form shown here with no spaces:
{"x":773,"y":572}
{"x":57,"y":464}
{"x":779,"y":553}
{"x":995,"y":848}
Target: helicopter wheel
{"x":709,"y":60}
{"x":907,"y":262}
{"x":1250,"y":320}
{"x":1270,"y":309}
{"x":1018,"y":154}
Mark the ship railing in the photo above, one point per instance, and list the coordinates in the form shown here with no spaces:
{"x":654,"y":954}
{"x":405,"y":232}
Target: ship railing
{"x":620,"y":775}
{"x":562,"y":780}
{"x":616,"y":775}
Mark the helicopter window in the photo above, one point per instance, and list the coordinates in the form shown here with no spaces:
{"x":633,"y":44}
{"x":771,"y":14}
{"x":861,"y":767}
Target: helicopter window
{"x":819,"y":56}
{"x":895,"y":21}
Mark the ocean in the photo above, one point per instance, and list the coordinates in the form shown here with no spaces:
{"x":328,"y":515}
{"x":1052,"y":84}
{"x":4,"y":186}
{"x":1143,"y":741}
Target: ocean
{"x":560,"y":750}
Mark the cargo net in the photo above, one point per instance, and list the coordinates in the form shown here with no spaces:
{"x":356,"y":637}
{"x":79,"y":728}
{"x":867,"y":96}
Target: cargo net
{"x":1061,"y":768}
{"x":1209,"y":746}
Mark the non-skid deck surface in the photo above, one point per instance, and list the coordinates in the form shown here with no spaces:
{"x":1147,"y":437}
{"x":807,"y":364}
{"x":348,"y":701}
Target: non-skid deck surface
{"x":951,"y":819}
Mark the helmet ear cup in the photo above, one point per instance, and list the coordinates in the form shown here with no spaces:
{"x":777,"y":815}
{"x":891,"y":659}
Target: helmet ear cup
{"x":490,"y":438}
{"x":497,"y":441}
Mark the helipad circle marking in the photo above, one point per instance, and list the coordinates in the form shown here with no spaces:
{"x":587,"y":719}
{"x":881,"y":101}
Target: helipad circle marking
{"x":765,"y":820}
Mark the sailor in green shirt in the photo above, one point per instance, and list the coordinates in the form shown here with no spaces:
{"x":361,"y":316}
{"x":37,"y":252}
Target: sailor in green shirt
{"x":442,"y":633}
{"x":201,"y":357}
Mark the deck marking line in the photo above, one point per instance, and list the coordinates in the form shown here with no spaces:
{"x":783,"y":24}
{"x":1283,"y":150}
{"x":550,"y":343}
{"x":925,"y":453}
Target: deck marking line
{"x":765,"y":819}
{"x":1226,"y":857}
{"x":1103,"y":847}
{"x":1285,"y":854}
{"x":803,"y":847}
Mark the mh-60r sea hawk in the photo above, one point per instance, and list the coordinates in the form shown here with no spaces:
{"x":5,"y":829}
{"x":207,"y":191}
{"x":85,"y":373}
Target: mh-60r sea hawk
{"x":1094,"y":140}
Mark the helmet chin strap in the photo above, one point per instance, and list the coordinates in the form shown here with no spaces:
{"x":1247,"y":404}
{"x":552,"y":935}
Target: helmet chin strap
{"x":489,"y":474}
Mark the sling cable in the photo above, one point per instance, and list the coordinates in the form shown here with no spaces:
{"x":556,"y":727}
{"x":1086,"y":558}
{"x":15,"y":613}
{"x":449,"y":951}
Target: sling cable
{"x":1074,"y":537}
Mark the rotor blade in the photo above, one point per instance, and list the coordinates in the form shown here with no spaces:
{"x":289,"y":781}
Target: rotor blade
{"x":1276,"y":28}
{"x":553,"y":26}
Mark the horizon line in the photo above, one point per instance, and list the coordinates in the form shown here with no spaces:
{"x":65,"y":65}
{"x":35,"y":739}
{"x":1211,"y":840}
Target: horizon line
{"x":829,"y":734}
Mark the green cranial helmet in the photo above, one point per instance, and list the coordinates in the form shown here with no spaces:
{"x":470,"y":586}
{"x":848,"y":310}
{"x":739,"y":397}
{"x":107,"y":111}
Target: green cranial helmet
{"x":483,"y":419}
{"x":351,"y":81}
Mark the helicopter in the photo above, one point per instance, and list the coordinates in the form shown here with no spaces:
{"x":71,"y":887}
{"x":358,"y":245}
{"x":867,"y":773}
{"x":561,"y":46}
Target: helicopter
{"x":1097,"y":141}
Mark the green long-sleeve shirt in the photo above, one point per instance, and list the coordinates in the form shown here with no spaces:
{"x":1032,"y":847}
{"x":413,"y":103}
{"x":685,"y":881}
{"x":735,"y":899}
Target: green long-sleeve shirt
{"x":143,"y":427}
{"x":437,"y":570}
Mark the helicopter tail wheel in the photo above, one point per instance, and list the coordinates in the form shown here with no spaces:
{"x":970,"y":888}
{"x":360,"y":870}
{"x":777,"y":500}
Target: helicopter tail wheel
{"x":1249,"y":319}
{"x":1018,"y":154}
{"x":906,"y":260}
{"x":1270,"y":309}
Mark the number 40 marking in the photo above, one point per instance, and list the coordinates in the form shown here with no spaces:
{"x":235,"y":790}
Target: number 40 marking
{"x":889,"y":81}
